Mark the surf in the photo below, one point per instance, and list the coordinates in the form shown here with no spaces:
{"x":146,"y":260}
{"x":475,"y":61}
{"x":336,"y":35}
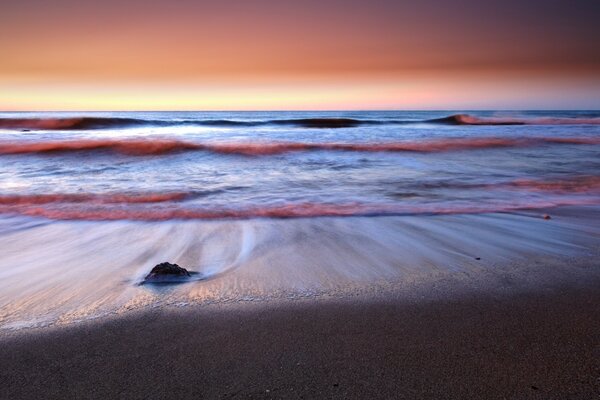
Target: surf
{"x":155,"y":147}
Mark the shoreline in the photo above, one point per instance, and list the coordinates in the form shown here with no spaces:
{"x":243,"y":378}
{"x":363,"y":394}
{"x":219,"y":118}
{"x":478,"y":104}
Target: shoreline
{"x":536,"y":276}
{"x":470,"y":307}
{"x":263,"y":261}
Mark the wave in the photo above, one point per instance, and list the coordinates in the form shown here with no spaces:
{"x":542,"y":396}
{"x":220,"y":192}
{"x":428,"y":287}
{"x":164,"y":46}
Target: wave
{"x":303,"y":210}
{"x":296,"y":122}
{"x":154,"y":206}
{"x":328,"y":122}
{"x":128,"y":147}
{"x":91,"y":198}
{"x":76,"y":123}
{"x":466,"y":119}
{"x":149,"y":147}
{"x":566,"y":185}
{"x":579,"y":184}
{"x":88,"y":123}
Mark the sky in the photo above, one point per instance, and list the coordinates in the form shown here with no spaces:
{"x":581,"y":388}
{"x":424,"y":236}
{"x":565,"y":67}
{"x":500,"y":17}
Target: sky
{"x":309,"y":54}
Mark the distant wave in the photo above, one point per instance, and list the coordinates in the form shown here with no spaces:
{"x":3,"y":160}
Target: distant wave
{"x":149,"y":147}
{"x":88,"y":123}
{"x":466,"y":119}
{"x":328,"y":122}
{"x":78,"y":123}
{"x":295,"y":122}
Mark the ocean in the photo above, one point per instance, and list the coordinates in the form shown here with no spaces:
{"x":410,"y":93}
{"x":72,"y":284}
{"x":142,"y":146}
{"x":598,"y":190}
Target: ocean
{"x":213,"y":165}
{"x":271,"y":205}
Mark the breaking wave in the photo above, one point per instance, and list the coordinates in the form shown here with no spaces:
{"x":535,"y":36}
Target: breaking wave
{"x":129,"y":147}
{"x":149,"y":147}
{"x":466,"y":119}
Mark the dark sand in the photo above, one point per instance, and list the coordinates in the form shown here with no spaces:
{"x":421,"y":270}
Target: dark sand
{"x":539,"y":345}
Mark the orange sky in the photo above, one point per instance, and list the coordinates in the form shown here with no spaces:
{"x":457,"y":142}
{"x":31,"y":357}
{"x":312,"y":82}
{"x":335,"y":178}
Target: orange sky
{"x":323,"y":54}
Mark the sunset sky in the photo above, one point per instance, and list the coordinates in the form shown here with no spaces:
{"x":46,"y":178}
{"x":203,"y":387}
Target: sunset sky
{"x":325,"y":54}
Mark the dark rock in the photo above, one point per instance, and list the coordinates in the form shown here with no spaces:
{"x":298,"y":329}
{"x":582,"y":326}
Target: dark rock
{"x":167,"y":272}
{"x":546,"y":216}
{"x":478,"y":258}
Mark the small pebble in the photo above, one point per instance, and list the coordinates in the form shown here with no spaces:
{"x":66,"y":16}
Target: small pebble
{"x":546,"y":216}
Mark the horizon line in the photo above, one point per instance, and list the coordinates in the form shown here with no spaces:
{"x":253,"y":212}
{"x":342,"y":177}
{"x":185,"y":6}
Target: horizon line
{"x":317,"y":110}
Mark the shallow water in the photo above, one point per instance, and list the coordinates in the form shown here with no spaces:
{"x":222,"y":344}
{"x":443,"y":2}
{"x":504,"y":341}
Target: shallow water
{"x":90,"y":202}
{"x":66,"y":271}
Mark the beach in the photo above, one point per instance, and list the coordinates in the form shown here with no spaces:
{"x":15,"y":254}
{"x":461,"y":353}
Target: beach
{"x":483,"y":313}
{"x":358,"y":254}
{"x":443,"y":340}
{"x":84,"y":270}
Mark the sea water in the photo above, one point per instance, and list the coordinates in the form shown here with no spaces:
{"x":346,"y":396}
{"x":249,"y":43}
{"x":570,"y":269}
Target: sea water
{"x":271,"y":205}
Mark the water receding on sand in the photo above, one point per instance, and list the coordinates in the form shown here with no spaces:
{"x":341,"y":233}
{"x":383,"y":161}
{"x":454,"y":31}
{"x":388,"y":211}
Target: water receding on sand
{"x":272,"y":205}
{"x":62,"y":272}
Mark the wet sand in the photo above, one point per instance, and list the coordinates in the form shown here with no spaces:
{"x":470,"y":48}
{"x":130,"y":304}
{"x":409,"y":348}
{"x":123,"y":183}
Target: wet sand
{"x":62,"y":272}
{"x":484,"y":306}
{"x":436,"y":344}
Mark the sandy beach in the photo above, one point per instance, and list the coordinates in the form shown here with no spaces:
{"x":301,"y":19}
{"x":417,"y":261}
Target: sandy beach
{"x":438,"y":343}
{"x":424,"y":307}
